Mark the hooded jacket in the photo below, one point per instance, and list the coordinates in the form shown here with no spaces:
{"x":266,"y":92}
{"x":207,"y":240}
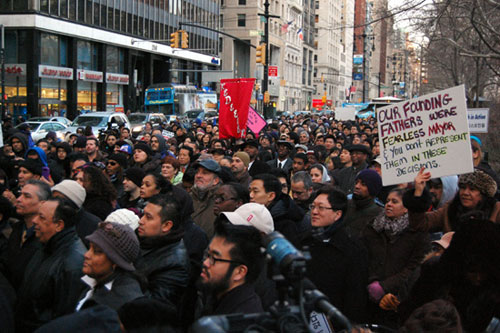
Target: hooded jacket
{"x":55,"y":171}
{"x":24,"y":140}
{"x":450,"y":188}
{"x":161,"y":152}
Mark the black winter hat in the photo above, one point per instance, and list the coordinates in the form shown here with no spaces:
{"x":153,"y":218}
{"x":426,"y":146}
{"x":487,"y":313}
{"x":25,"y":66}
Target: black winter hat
{"x":135,"y":175}
{"x":33,"y":166}
{"x":144,"y":147}
{"x":120,"y":158}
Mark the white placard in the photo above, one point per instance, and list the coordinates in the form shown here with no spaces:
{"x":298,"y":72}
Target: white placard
{"x":319,"y":323}
{"x":478,"y":120}
{"x":345,"y":113}
{"x":431,"y":131}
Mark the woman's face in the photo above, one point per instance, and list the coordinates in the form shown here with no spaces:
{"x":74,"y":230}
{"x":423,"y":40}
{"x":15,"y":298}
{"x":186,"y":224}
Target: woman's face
{"x":206,"y":140}
{"x":469,"y":197}
{"x":96,"y":264}
{"x":316,"y":175}
{"x":146,"y":138}
{"x":140,"y":156}
{"x":148,"y":187}
{"x":61,"y":154}
{"x":394,"y":206}
{"x":168,"y":171}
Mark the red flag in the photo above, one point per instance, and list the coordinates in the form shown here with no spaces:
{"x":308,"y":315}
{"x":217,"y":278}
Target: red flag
{"x":234,"y":100}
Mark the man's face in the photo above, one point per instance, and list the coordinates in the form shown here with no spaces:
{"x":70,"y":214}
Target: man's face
{"x":237,"y":165}
{"x":361,"y":190}
{"x":329,"y":143}
{"x":299,"y":192}
{"x":28,"y":202}
{"x":45,"y":226}
{"x":24,"y":175}
{"x":125,"y":134}
{"x":128,"y":185}
{"x":258,"y":193}
{"x":155,"y":143}
{"x":251,"y":151}
{"x":216,"y":278}
{"x":320,"y":141}
{"x":150,"y":224}
{"x":225,"y":200}
{"x":303,"y":138}
{"x":183,"y":156}
{"x":90,"y":147}
{"x":61,"y":153}
{"x":44,"y":146}
{"x":322,"y":214}
{"x":205,"y":179}
{"x":436,"y":190}
{"x":298,"y":165}
{"x":17,"y":145}
{"x":283,"y":151}
{"x":345,"y":156}
{"x":358,"y":157}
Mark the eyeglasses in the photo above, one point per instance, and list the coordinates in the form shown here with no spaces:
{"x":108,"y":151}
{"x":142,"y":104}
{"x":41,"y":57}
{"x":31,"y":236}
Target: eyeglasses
{"x":220,"y":198}
{"x":212,"y":260}
{"x":112,"y":163}
{"x":320,"y":208}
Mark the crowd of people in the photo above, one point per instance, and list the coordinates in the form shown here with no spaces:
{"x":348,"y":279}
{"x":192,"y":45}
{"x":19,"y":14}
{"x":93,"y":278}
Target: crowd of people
{"x":109,"y":232}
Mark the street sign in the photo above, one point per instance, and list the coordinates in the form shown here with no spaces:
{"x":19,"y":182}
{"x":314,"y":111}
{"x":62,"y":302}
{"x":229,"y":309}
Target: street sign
{"x":357,"y":59}
{"x":357,"y":76}
{"x":273,"y":71}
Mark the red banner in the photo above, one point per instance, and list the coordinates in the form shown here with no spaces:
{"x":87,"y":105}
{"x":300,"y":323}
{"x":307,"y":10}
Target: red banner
{"x":234,"y":100}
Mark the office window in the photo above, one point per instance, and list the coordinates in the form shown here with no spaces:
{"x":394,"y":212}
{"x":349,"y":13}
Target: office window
{"x":241,"y":20}
{"x":242,"y":2}
{"x":221,"y":21}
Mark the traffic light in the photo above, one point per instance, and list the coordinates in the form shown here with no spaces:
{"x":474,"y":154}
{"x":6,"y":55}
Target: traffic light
{"x":260,"y":54}
{"x":323,"y":99}
{"x":184,"y":39}
{"x":174,"y":40}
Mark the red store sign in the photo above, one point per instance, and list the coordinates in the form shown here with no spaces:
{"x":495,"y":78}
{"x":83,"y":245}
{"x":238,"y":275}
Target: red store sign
{"x":117,"y":78}
{"x":52,"y":72}
{"x":92,"y":76}
{"x":15,"y":69}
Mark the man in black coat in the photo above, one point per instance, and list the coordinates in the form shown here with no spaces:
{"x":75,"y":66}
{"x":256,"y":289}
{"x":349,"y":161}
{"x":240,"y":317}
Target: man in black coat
{"x":51,"y":285}
{"x":233,"y":262}
{"x":283,"y":160}
{"x":164,"y":260}
{"x":22,"y":243}
{"x":346,"y":177}
{"x":255,"y":167}
{"x":338,"y":265}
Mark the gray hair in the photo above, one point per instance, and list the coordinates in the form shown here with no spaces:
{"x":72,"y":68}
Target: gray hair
{"x":43,"y":191}
{"x":303,"y":176}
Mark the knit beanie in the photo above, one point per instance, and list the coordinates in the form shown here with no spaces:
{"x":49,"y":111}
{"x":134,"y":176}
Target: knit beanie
{"x":479,"y":180}
{"x":135,"y":175}
{"x":124,"y":216}
{"x":372,"y":180}
{"x":80,"y":142}
{"x":71,"y":190}
{"x":33,"y":166}
{"x":144,"y":147}
{"x":118,"y":242}
{"x":120,"y":158}
{"x":243,"y":156}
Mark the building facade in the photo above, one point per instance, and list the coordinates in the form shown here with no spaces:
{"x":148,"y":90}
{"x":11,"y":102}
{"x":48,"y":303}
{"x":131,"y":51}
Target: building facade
{"x":73,"y":56}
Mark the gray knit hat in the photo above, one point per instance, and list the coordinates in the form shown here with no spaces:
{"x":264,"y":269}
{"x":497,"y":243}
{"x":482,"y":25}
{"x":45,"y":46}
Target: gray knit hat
{"x":71,"y":190}
{"x":118,"y":242}
{"x":479,"y":180}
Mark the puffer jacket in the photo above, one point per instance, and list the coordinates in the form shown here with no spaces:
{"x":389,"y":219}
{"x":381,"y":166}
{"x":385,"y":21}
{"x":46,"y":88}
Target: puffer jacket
{"x":164,"y":262}
{"x":51,"y":285}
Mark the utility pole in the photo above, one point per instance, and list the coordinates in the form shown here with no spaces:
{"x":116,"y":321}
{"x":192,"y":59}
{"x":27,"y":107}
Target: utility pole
{"x":364,"y":65}
{"x":265,"y":40}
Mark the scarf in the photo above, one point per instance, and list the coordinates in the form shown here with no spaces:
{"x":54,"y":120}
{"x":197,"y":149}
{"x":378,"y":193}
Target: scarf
{"x":390,"y":226}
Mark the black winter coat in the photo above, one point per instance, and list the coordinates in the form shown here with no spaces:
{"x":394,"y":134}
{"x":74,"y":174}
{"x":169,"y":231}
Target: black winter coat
{"x":125,"y":288}
{"x":339,"y":268}
{"x":164,"y":261}
{"x":51,"y":284}
{"x":288,"y":218}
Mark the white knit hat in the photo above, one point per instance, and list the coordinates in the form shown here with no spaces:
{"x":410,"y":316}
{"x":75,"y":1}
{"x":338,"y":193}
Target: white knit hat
{"x":252,"y":214}
{"x":71,"y":190}
{"x":124,"y":216}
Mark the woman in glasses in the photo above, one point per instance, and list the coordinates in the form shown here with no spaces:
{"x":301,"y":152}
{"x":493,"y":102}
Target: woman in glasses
{"x":116,"y":165}
{"x":394,"y":252}
{"x":109,"y":267}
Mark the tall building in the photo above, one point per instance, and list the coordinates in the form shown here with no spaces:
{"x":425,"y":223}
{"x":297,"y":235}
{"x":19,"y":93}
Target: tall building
{"x":67,"y":56}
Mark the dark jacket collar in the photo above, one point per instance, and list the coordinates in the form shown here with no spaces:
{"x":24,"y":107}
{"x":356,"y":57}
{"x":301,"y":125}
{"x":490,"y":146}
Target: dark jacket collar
{"x":60,"y":239}
{"x":150,"y":243}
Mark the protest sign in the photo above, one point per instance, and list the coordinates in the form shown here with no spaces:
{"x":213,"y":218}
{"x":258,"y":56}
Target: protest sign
{"x":478,"y":120}
{"x":235,"y":97}
{"x":255,"y":121}
{"x":345,"y":113}
{"x":430,"y":131}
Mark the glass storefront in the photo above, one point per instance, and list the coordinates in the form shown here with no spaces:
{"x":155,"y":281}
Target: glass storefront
{"x":87,"y":96}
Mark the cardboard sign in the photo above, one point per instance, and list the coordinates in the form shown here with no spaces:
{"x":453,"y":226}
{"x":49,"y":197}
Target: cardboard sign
{"x":255,"y":121}
{"x":430,"y":131}
{"x":478,"y":120}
